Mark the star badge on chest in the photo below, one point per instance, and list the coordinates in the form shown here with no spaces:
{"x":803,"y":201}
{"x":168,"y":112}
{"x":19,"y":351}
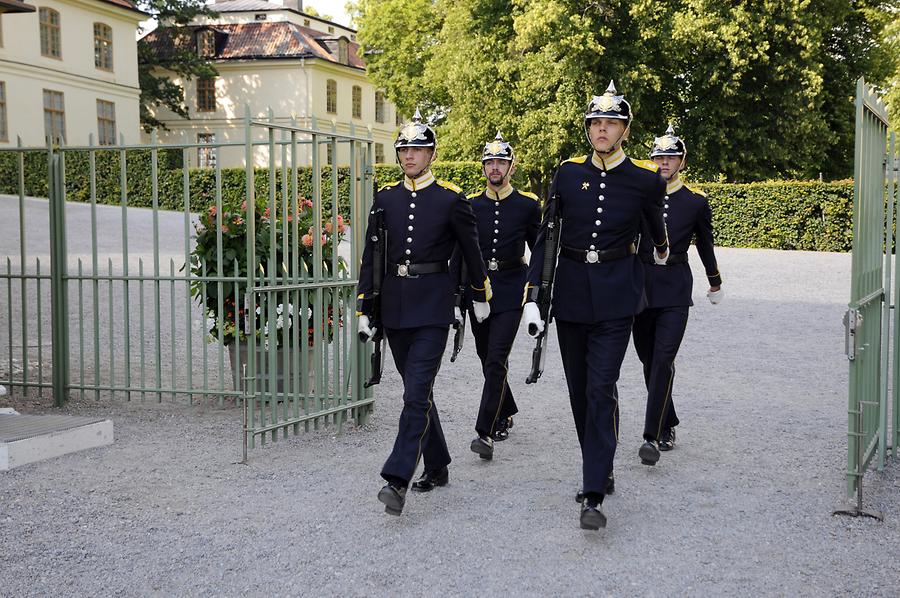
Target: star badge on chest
{"x":585,"y":185}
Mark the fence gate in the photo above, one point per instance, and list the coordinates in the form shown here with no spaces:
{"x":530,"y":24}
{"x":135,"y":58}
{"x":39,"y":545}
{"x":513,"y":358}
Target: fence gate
{"x":307,"y":366}
{"x":130,"y":276}
{"x":867,"y":321}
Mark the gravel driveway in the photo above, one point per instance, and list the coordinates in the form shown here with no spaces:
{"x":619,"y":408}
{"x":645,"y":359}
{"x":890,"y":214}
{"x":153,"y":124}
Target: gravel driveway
{"x":742,"y":506}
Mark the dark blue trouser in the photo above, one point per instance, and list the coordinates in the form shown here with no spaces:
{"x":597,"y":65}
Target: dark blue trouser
{"x":417,"y":354}
{"x":493,"y":340}
{"x":592,"y":356}
{"x":657,"y":336}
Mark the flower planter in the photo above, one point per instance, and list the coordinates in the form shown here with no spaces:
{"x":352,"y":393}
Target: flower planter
{"x":238,"y":354}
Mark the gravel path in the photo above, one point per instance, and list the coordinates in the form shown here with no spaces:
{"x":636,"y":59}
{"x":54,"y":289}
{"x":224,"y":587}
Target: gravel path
{"x":742,"y":506}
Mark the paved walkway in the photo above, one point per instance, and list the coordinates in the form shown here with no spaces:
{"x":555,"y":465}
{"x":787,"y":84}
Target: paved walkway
{"x":741,"y":507}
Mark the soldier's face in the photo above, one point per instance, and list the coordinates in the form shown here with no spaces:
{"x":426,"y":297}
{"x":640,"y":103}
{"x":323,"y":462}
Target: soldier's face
{"x":414,"y":160}
{"x":606,"y":132}
{"x":668,"y":165}
{"x":495,"y":170}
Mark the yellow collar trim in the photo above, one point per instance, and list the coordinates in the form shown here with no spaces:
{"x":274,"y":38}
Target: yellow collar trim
{"x":614,"y":159}
{"x":419,"y":183}
{"x":675,"y":185}
{"x":504,"y":192}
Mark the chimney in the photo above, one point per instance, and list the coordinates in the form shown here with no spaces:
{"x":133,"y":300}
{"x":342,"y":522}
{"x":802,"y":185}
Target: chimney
{"x":293,"y":4}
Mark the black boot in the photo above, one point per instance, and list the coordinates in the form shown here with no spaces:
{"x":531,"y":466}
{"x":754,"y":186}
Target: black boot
{"x":431,"y":479}
{"x":484,"y":446}
{"x":649,"y":453}
{"x":394,"y":497}
{"x":592,"y":516}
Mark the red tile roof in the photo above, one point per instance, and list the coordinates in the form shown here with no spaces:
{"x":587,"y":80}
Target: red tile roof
{"x":255,"y":41}
{"x":15,"y":6}
{"x":125,"y":4}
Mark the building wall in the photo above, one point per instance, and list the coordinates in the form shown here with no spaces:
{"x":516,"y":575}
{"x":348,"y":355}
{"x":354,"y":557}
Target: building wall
{"x":290,"y":88}
{"x":27,"y":73}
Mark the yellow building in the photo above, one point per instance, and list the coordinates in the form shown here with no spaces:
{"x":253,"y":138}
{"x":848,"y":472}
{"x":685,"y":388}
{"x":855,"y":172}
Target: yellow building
{"x":272,"y":56}
{"x":68,"y":71}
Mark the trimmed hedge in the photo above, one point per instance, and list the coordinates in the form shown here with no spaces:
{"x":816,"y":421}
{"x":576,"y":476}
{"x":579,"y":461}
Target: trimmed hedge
{"x":783,"y":215}
{"x":774,"y":215}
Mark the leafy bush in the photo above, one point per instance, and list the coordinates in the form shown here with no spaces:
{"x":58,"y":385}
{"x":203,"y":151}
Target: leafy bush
{"x":775,"y":215}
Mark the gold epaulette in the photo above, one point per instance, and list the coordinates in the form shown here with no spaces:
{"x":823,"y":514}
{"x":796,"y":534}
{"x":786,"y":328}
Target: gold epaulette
{"x":648,"y":164}
{"x":449,"y":185}
{"x":695,"y":191}
{"x":473,"y":195}
{"x":577,"y":159}
{"x":531,"y":195}
{"x":394,"y":184}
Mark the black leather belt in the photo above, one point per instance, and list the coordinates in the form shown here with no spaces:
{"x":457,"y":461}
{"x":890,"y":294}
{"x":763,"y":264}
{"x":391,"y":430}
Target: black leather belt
{"x":404,"y":270}
{"x":674,"y":258}
{"x":591,"y":256}
{"x":495,"y":265}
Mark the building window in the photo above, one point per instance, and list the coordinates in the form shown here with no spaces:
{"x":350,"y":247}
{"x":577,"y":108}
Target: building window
{"x":54,"y":116}
{"x":331,"y":96}
{"x":206,"y":44}
{"x":343,"y":53}
{"x":306,"y":22}
{"x":206,"y":94}
{"x":50,"y":40}
{"x":4,"y":130}
{"x":103,"y":51}
{"x":379,"y":107}
{"x":106,"y":122}
{"x":379,"y":153}
{"x":357,"y":101}
{"x":330,"y":29}
{"x":329,"y":155}
{"x":206,"y":156}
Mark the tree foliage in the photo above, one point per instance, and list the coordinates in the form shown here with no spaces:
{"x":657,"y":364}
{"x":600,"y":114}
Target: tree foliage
{"x":759,"y":90}
{"x":157,"y":88}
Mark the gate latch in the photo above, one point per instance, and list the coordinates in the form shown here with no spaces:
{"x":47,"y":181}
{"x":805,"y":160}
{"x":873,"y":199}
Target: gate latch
{"x":852,"y":321}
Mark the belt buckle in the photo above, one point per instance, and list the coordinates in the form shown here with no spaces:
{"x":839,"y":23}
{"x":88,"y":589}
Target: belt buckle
{"x":493,"y":264}
{"x":402,"y":270}
{"x":592,"y":257}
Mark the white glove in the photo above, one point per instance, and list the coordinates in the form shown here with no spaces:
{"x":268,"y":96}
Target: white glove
{"x":457,"y":315}
{"x":715,"y":297}
{"x":482,"y":310}
{"x":532,"y":316}
{"x":660,"y":261}
{"x":364,"y":328}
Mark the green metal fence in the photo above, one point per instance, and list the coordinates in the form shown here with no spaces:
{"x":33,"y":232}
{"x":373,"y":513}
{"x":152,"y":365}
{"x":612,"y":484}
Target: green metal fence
{"x":867,"y":321}
{"x":111,"y":301}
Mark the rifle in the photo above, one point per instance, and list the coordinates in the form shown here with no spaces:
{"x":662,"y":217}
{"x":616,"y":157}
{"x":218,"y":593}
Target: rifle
{"x":460,"y":327}
{"x":545,"y":291}
{"x":379,"y":257}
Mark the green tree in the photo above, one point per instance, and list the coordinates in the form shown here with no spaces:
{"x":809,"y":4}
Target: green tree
{"x":397,"y":38}
{"x":759,"y":90}
{"x":181,"y":58}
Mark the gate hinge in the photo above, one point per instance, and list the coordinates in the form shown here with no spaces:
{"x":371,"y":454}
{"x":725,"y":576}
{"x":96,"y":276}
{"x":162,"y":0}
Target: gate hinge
{"x":852,"y":321}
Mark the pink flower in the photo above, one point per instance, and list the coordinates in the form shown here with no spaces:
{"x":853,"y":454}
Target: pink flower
{"x":244,"y":206}
{"x":307,"y":240}
{"x":324,"y":239}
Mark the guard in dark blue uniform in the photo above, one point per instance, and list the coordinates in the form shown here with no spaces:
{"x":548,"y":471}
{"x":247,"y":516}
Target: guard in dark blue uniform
{"x":424,"y":220}
{"x":599,"y":285}
{"x":507,"y":220}
{"x":658,"y":330}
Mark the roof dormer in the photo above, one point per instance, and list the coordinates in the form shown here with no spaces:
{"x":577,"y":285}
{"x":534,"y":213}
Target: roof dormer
{"x":209,"y":41}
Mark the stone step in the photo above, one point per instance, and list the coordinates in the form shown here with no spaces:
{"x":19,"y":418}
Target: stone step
{"x":29,"y":438}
